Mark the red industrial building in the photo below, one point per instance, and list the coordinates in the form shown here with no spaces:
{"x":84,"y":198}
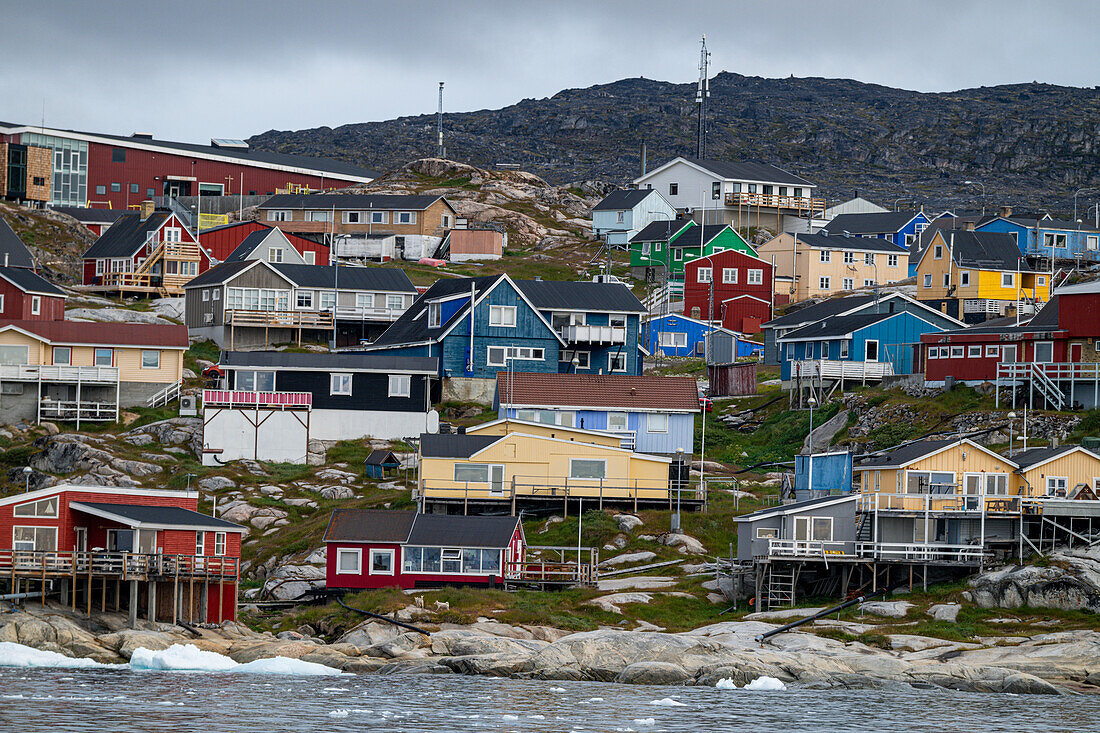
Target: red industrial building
{"x":219,"y":242}
{"x":110,"y":548}
{"x":732,"y":287}
{"x":116,"y":172}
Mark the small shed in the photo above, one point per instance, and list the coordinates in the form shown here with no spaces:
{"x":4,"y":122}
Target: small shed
{"x":732,"y":380}
{"x":380,"y":461}
{"x":822,"y":474}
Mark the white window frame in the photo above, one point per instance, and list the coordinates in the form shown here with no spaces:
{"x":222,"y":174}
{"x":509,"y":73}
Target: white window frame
{"x":1008,"y":279}
{"x":756,"y":277}
{"x":947,"y":279}
{"x":353,"y":217}
{"x":767,"y":533}
{"x":878,"y":351}
{"x":868,"y":282}
{"x":869,"y":259}
{"x":69,"y":355}
{"x":324,"y":216}
{"x":499,"y":355}
{"x":974,"y":352}
{"x":35,"y":508}
{"x":278,"y":215}
{"x":957,"y":352}
{"x":729,"y":275}
{"x":625,"y":417}
{"x":825,"y":255}
{"x":406,"y":217}
{"x":497,"y":313}
{"x":601,"y":461}
{"x":205,"y":295}
{"x":673,"y":339}
{"x":992,"y":350}
{"x":650,"y":428}
{"x":964,"y":278}
{"x":927,"y":279}
{"x":824,"y":283}
{"x":937,"y":253}
{"x":379,"y":217}
{"x":1064,"y":480}
{"x":146,"y":352}
{"x":219,"y":544}
{"x":400,"y":385}
{"x":891,"y":260}
{"x":703,"y":275}
{"x":275,"y":255}
{"x":95,"y":356}
{"x":36,"y":305}
{"x":341,"y":552}
{"x":435,"y":311}
{"x":844,"y":348}
{"x":849,"y":258}
{"x":340,"y":384}
{"x":1035,"y":352}
{"x":613,"y":357}
{"x":173,"y":234}
{"x":303,"y":299}
{"x":34,"y":544}
{"x":379,"y":552}
{"x":1092,"y":241}
{"x":100,"y":266}
{"x":200,"y":543}
{"x":847,"y":283}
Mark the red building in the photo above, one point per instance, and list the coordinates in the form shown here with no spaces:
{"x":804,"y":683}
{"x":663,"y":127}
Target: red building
{"x":376,"y":548}
{"x":732,"y":287}
{"x":116,"y":171}
{"x":107,"y":548}
{"x":26,"y":296}
{"x":219,"y":242}
{"x":95,"y":221}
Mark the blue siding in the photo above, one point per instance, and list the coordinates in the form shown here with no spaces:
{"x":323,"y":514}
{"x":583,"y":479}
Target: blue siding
{"x":681,"y":428}
{"x":1032,"y":240}
{"x":599,"y":354}
{"x":832,"y":473}
{"x":449,"y":307}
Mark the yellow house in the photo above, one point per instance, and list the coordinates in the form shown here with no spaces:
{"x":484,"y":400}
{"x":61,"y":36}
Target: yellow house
{"x":1057,"y":472}
{"x":543,"y":430}
{"x":486,"y":469}
{"x":963,"y":271}
{"x":69,"y":370}
{"x":819,"y":265}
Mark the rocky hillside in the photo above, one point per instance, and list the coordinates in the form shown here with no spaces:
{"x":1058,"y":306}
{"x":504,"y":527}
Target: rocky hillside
{"x":1032,"y":145}
{"x":56,"y":240}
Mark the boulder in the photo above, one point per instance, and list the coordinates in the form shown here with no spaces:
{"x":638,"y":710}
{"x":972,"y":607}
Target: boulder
{"x":686,"y":544}
{"x":126,"y":641}
{"x":653,"y":673}
{"x":337,"y":492}
{"x":399,"y":646}
{"x":1073,"y":587}
{"x":135,"y":468}
{"x":628,"y":522}
{"x":889,"y":609}
{"x":288,"y":582}
{"x":333,"y":474}
{"x":628,"y":557}
{"x":466,"y":642}
{"x":947,"y":612}
{"x":369,"y":633}
{"x":611,"y":603}
{"x":217,"y":483}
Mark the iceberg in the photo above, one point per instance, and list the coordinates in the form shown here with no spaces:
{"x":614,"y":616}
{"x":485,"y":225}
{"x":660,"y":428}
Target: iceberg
{"x":189,"y":658}
{"x":668,"y":702}
{"x":765,"y":683}
{"x":18,"y":655}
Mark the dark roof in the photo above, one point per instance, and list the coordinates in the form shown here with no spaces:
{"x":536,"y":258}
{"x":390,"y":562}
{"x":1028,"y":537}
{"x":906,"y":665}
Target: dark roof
{"x":824,"y":309}
{"x":369,"y":525}
{"x":710,"y":231}
{"x":661,"y":231}
{"x":883,"y":222}
{"x":792,"y":507}
{"x":1047,"y":317}
{"x":382,"y":457}
{"x":92,"y":216}
{"x":836,"y":326}
{"x":324,"y":362}
{"x":583,"y":295}
{"x":12,"y":247}
{"x":342,"y":201}
{"x":985,"y":250}
{"x":248,"y":245}
{"x":219,"y":273}
{"x":354,"y":277}
{"x":748,"y":171}
{"x":612,"y":391}
{"x":833,"y":241}
{"x":163,"y":516}
{"x":29,"y":281}
{"x":906,"y":453}
{"x":458,"y":530}
{"x":623,"y":199}
{"x":1031,"y":456}
{"x":126,"y":236}
{"x":106,"y":334}
{"x":454,"y":445}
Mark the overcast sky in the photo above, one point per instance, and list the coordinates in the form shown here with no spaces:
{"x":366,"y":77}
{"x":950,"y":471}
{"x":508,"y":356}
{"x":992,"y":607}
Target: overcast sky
{"x":198,"y":69}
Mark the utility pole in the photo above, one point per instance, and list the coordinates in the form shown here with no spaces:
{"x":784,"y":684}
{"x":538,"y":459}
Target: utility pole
{"x":702,"y":94}
{"x":441,"y":152}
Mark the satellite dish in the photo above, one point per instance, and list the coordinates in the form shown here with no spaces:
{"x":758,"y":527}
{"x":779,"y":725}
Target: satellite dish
{"x":433,"y":421}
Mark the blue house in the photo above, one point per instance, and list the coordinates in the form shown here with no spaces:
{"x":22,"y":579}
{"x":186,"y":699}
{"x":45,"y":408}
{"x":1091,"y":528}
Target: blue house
{"x":862,"y":347}
{"x":822,"y":474}
{"x":678,"y":335}
{"x":1048,"y":237}
{"x":651,"y":414}
{"x":624,"y":213}
{"x":903,"y":228}
{"x":525,"y":325}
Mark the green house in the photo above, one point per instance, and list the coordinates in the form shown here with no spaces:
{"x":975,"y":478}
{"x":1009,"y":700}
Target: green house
{"x":670,"y":244}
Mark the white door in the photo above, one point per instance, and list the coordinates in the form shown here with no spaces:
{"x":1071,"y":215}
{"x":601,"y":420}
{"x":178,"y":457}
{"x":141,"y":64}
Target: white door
{"x":870,"y":350}
{"x":972,"y":488}
{"x":496,"y":478}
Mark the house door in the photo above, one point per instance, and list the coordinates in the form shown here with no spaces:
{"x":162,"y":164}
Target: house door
{"x":972,"y":490}
{"x":801,"y":531}
{"x":870,"y":350}
{"x":147,"y":542}
{"x":81,"y":539}
{"x":496,"y":478}
{"x":1008,"y":354}
{"x":1075,"y":353}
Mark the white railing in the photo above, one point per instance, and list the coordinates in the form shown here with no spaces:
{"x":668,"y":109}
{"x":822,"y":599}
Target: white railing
{"x":241,"y":398}
{"x":834,"y":369}
{"x":594,"y":334}
{"x":166,"y":395}
{"x":938,"y":503}
{"x":74,"y":410}
{"x":920,"y":551}
{"x":1047,"y":378}
{"x":627,"y":438}
{"x":364,"y":313}
{"x":58,"y":373}
{"x":808,"y":548}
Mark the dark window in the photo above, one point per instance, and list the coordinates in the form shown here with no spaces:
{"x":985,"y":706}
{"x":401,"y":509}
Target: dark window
{"x":150,"y":192}
{"x":116,"y":187}
{"x":133,"y":188}
{"x":100,"y":190}
{"x":39,"y":181}
{"x":673,"y":188}
{"x":251,"y":193}
{"x":118,"y":155}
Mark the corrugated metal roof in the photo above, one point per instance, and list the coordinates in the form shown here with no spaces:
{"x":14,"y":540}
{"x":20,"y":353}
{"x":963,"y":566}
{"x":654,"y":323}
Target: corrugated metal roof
{"x":613,"y":391}
{"x":165,"y":516}
{"x":375,"y":362}
{"x":455,"y":445}
{"x":29,"y":281}
{"x":369,"y":525}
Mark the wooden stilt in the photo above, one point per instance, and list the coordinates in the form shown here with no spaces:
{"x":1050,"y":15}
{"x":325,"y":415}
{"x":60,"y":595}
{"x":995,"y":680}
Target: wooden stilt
{"x":103,"y":596}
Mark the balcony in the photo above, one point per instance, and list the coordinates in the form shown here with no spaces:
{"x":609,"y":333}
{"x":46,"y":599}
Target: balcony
{"x":939,"y":503}
{"x":58,"y":373}
{"x":240,"y":399}
{"x":564,"y":490}
{"x":363,"y":313}
{"x":77,"y":410}
{"x":822,"y":549}
{"x":839,"y":369}
{"x":922,"y":552}
{"x":122,"y":565}
{"x":803,"y":205}
{"x":278,"y":319}
{"x":594,"y":334}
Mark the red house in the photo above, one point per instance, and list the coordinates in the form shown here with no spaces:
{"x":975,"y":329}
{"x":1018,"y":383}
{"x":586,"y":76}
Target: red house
{"x":220,"y":242}
{"x":376,"y":548}
{"x":732,"y":287}
{"x":26,"y":296}
{"x":95,"y":221}
{"x":107,"y":548}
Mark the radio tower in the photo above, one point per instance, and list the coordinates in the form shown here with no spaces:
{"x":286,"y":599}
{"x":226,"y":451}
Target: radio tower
{"x":441,"y":152}
{"x":701,"y":97}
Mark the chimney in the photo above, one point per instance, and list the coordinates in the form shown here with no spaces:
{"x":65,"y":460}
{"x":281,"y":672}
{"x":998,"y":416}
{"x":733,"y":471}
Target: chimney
{"x":969,"y":226}
{"x":5,"y":259}
{"x":147,"y":207}
{"x":1006,"y":211}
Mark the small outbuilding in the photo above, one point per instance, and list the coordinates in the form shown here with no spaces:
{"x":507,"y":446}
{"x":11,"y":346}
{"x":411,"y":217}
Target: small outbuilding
{"x":380,"y":461}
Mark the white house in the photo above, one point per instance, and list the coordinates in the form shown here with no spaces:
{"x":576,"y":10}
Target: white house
{"x":624,"y":213}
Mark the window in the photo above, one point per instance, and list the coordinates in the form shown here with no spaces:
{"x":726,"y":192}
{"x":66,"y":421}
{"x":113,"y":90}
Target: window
{"x":381,"y":562}
{"x":703,"y":275}
{"x":928,"y":280}
{"x":118,"y":155}
{"x":964,"y":279}
{"x":729,"y":275}
{"x":36,"y":305}
{"x":956,"y":352}
{"x":617,"y":321}
{"x":31,"y":539}
{"x":200,"y":543}
{"x":150,"y":192}
{"x":395,"y":302}
{"x":849,"y":258}
{"x":870,"y":350}
{"x":944,"y":352}
{"x":445,"y":220}
{"x":400,"y":385}
{"x":1008,"y":279}
{"x":219,"y":544}
{"x":100,"y":267}
{"x":933,"y":352}
{"x":1041,"y":280}
{"x":406,"y":217}
{"x":617,"y":421}
{"x":675,"y":339}
{"x":452,"y":561}
{"x":502,"y":315}
{"x":172,"y":234}
{"x":868,"y":283}
{"x":475,"y":473}
{"x":310,"y":258}
{"x":254,"y":381}
{"x":824,"y":283}
{"x":891,"y":260}
{"x":678,"y":255}
{"x":278,"y":215}
{"x":133,"y":188}
{"x":150,"y":359}
{"x":822,"y":529}
{"x":974,"y":352}
{"x":824,"y":349}
{"x":546,"y":417}
{"x":673,"y":189}
{"x":349,"y":561}
{"x":844,"y":349}
{"x":104,"y":357}
{"x":304,"y":299}
{"x":656,"y":422}
{"x":924,"y":482}
{"x":320,"y":216}
{"x":767,"y":533}
{"x":947,"y":279}
{"x":620,"y":217}
{"x":937,"y":254}
{"x":996,"y":484}
{"x":809,"y":351}
{"x":116,"y":188}
{"x":364,"y":301}
{"x":352,"y":217}
{"x":434,"y":314}
{"x":499,"y":355}
{"x":14,"y":354}
{"x":216,"y":295}
{"x":40,"y":508}
{"x":848,"y":283}
{"x":1053,"y":239}
{"x":1044,"y":351}
{"x":326,"y":300}
{"x":101,"y":190}
{"x":378,"y":217}
{"x":275,"y":254}
{"x":1092,"y":241}
{"x":756,"y":277}
{"x":752,"y":188}
{"x":1057,"y":485}
{"x":869,"y":259}
{"x":62,"y":355}
{"x":991,"y":351}
{"x":587,"y":468}
{"x":825,"y":255}
{"x":205,"y":295}
{"x":340,"y":384}
{"x":616,"y":362}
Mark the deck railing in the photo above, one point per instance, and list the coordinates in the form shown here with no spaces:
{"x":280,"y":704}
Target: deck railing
{"x":564,"y":490}
{"x":364,"y":313}
{"x":920,"y":551}
{"x":810,"y":548}
{"x":939,"y":503}
{"x":802,"y":204}
{"x":838,"y":369}
{"x":594,"y":334}
{"x":58,"y":373}
{"x":278,"y":319}
{"x":556,"y":568}
{"x":125,"y":565}
{"x":74,"y":410}
{"x":265,"y":400}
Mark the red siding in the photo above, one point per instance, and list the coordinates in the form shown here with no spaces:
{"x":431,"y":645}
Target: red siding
{"x":983,"y":367}
{"x":745,"y":314}
{"x":17,"y":305}
{"x":1079,"y":315}
{"x":699,"y":295}
{"x":732,"y":380}
{"x":221,"y":242}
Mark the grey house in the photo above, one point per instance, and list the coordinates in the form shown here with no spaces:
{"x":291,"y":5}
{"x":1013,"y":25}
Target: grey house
{"x":813,"y":528}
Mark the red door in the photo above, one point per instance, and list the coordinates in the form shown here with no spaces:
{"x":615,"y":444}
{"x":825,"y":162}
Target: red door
{"x":1075,"y":353}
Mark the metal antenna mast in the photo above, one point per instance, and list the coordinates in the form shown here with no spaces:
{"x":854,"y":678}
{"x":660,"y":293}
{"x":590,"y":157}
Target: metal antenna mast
{"x":441,"y":152}
{"x":702,"y":94}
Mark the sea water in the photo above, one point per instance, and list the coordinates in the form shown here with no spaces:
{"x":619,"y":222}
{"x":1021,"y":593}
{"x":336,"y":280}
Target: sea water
{"x":183,"y":690}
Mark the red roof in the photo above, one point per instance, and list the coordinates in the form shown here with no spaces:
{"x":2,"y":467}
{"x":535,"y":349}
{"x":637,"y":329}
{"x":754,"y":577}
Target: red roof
{"x":107,"y":334}
{"x":614,"y":391}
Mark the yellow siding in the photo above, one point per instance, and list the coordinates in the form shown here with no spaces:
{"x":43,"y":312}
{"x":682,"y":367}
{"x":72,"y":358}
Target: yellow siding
{"x":35,"y":347}
{"x":546,"y":431}
{"x":806,"y":266}
{"x":894,"y":482}
{"x":126,"y":358}
{"x":984,"y":284}
{"x":1078,"y":467}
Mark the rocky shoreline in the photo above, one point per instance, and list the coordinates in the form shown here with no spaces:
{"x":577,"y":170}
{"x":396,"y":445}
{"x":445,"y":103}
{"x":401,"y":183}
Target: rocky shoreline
{"x":1054,"y":663}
